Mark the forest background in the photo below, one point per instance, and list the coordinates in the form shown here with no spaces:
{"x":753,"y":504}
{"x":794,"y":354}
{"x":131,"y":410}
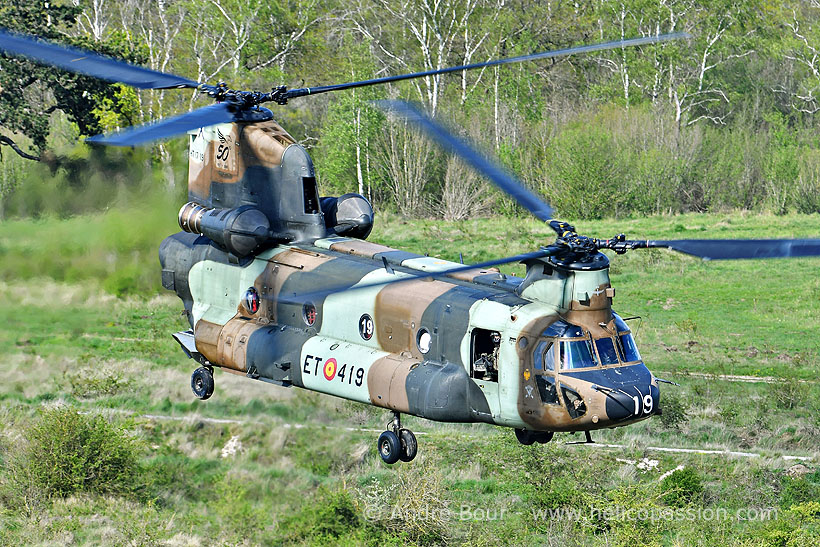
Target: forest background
{"x":722,"y":121}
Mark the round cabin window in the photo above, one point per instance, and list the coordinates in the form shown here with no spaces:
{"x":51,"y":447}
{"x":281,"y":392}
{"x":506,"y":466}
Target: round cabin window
{"x":309,"y":314}
{"x":424,"y":339}
{"x":251,"y":300}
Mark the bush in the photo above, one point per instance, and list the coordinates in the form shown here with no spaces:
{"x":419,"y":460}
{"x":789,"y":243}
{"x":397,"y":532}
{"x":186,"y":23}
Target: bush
{"x":674,"y":412}
{"x":66,"y":452}
{"x":330,"y":516}
{"x":682,"y":487}
{"x":789,"y":392}
{"x":798,"y":490}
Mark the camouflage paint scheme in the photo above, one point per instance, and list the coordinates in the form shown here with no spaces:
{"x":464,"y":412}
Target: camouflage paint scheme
{"x":329,"y":351}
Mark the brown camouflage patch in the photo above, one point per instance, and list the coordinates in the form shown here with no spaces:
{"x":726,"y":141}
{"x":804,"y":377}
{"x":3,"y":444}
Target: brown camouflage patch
{"x":359,"y":248}
{"x":386,"y":382}
{"x":264,"y":143}
{"x":280,"y":267}
{"x":398,"y":313}
{"x":206,"y":335}
{"x":592,"y":312}
{"x":530,"y":408}
{"x":470,"y":275}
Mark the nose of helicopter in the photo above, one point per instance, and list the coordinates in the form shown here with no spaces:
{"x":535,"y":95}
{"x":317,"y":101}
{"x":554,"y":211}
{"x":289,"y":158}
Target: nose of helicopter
{"x":629,"y":402}
{"x":629,"y":392}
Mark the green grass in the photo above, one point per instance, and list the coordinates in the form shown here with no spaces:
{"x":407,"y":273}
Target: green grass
{"x":68,"y":340}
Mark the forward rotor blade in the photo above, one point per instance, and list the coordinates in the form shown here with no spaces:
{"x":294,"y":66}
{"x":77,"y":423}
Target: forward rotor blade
{"x":91,"y":64}
{"x":531,"y":57}
{"x":169,"y":127}
{"x":734,"y":249}
{"x":316,"y":295}
{"x":504,"y":180}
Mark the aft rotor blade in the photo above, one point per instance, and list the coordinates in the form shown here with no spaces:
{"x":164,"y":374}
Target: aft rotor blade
{"x":91,"y":64}
{"x":169,"y":127}
{"x":292,"y":93}
{"x":734,"y":249}
{"x":501,"y":178}
{"x":316,"y":295}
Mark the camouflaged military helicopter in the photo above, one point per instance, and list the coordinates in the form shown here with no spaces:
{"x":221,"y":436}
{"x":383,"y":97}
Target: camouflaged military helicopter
{"x":280,"y":285}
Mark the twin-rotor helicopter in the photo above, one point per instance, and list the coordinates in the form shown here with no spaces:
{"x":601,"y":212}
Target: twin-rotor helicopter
{"x":281,"y":285}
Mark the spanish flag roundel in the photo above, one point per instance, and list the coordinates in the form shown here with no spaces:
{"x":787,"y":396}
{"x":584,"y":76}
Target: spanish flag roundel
{"x":330,"y":368}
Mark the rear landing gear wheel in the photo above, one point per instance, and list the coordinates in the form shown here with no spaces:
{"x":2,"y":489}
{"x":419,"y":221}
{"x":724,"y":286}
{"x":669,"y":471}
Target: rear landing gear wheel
{"x":409,"y":446}
{"x":202,"y":383}
{"x":389,"y":447}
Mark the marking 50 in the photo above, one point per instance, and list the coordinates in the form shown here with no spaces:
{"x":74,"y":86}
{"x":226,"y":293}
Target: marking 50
{"x":349,"y":374}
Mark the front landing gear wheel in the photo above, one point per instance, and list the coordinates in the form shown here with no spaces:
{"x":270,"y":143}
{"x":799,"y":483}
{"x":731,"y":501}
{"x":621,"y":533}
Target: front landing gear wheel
{"x":543,"y":437}
{"x":527,"y":437}
{"x":389,"y":447}
{"x":409,"y":446}
{"x":202,"y":383}
{"x":524,"y":436}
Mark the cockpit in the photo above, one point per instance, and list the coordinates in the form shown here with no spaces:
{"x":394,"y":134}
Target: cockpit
{"x":594,"y":372}
{"x":564,"y":346}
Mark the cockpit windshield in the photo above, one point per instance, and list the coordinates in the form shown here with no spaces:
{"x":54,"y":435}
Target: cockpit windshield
{"x":606,"y":351}
{"x":577,"y":349}
{"x":576,"y":354}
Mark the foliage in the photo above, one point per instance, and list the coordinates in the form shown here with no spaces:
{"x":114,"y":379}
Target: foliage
{"x":799,"y":490}
{"x":330,"y":516}
{"x":31,"y":92}
{"x":723,"y":120}
{"x":682,"y":487}
{"x":66,"y":452}
{"x":675,"y":408}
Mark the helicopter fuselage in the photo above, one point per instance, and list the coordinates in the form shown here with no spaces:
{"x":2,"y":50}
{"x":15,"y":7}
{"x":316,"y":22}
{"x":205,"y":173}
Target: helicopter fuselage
{"x":477,"y":346}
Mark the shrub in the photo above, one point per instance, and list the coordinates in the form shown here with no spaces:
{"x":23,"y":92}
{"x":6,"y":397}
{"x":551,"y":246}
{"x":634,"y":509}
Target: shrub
{"x":789,"y":392}
{"x":66,"y":452}
{"x":674,"y":412}
{"x":682,"y":487}
{"x":330,"y":516}
{"x":798,"y":490}
{"x":95,"y":381}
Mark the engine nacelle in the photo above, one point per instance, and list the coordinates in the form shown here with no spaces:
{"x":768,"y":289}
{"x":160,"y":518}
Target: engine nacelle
{"x":240,"y":230}
{"x":350,"y":215}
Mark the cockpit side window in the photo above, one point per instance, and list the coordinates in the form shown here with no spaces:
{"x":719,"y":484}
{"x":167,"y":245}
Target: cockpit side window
{"x":628,"y":348}
{"x":544,"y":356}
{"x":546,"y":388}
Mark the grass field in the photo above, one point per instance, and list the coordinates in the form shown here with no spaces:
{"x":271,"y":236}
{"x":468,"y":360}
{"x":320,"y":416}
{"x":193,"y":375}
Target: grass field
{"x":87,"y":327}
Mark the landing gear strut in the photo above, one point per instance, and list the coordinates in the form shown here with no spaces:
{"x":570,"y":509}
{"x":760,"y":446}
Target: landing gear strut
{"x":527,"y":437}
{"x":202,"y":382}
{"x":397,"y":443}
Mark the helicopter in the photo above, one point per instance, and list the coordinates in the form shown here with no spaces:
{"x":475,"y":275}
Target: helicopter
{"x":282,"y":286}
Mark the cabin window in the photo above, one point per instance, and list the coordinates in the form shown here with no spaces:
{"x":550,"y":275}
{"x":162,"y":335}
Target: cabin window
{"x":311,"y":195}
{"x":484,"y":355}
{"x":576,"y":354}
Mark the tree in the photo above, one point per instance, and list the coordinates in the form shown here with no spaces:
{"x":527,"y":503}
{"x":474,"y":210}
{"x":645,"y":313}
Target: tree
{"x":30,"y":92}
{"x":802,"y":51}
